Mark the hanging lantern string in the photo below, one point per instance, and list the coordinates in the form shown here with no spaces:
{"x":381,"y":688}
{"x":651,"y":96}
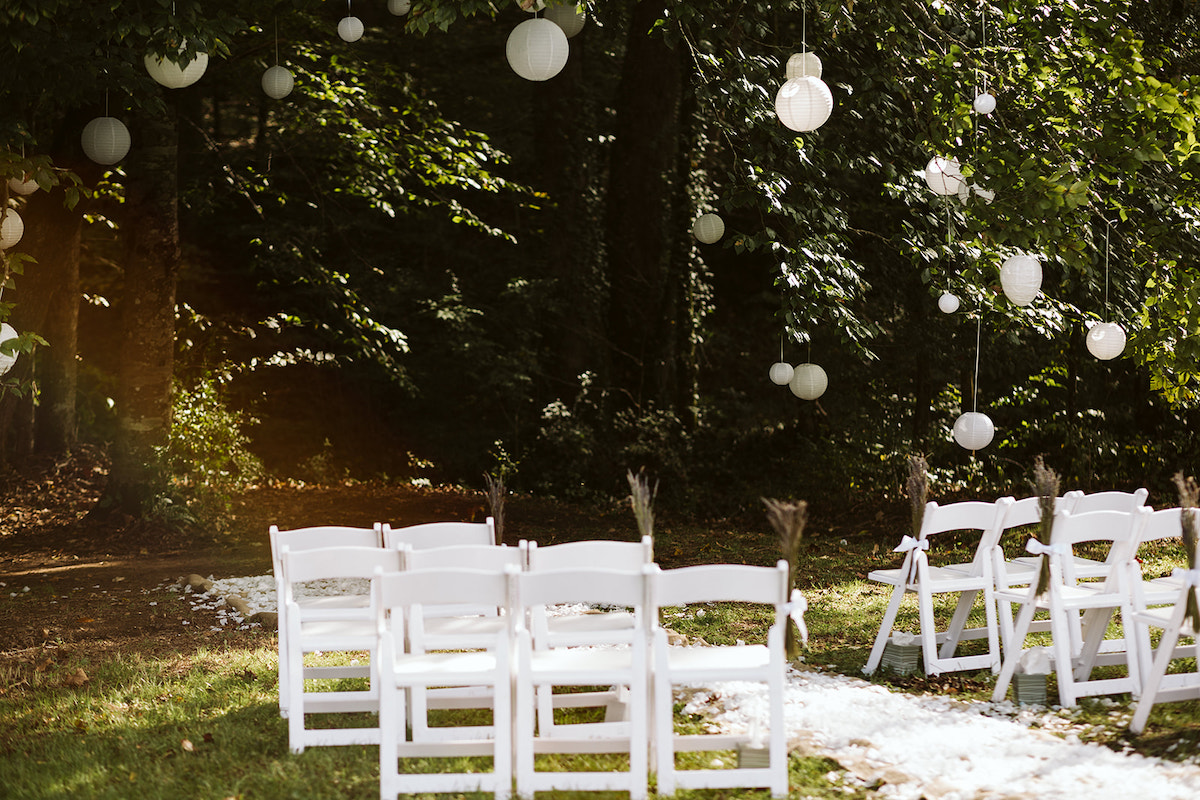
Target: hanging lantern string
{"x":781,"y":347}
{"x":1107,"y":231}
{"x":803,"y":27}
{"x":983,"y":43}
{"x":975,"y":383}
{"x":276,"y":41}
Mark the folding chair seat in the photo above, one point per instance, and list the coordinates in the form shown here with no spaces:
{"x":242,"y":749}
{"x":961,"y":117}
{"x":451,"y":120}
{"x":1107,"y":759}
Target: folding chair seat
{"x":334,"y":606}
{"x":1158,"y":686}
{"x":440,"y":534}
{"x":614,"y":665}
{"x":702,"y":665}
{"x":454,"y":626}
{"x":323,"y":631}
{"x":598,"y":627}
{"x":399,"y":598}
{"x":1063,"y":600}
{"x":917,"y":575}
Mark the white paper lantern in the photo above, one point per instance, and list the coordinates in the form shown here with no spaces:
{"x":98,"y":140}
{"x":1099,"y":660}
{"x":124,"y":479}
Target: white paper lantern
{"x":174,"y":75}
{"x":708,"y":228}
{"x":1106,"y":340}
{"x":948,"y":303}
{"x":350,"y":29}
{"x":804,"y":103}
{"x":944,"y":176}
{"x":568,"y":17}
{"x":11,"y":229}
{"x":6,"y":361}
{"x":105,"y":140}
{"x":537,"y":49}
{"x":985,"y":103}
{"x":399,"y":7}
{"x":277,"y":82}
{"x":808,"y":381}
{"x":801,"y":64}
{"x":781,"y":373}
{"x":973,"y":430}
{"x":22,"y":185}
{"x":1021,"y":279}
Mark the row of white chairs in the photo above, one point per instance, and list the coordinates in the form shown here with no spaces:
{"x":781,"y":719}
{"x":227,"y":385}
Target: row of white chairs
{"x":470,"y":622}
{"x":1080,"y":599}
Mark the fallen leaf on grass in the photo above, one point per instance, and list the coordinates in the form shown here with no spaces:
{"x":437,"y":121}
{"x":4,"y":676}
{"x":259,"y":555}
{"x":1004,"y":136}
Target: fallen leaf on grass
{"x":187,"y":745}
{"x":43,"y":665}
{"x":76,"y":678}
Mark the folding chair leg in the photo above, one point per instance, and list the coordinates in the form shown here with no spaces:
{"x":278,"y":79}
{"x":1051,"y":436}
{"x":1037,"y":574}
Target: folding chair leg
{"x":885,"y":630}
{"x":778,"y":740}
{"x":966,"y":601}
{"x":1012,"y":653}
{"x":1162,"y":659}
{"x":1063,"y":668}
{"x":928,"y":634}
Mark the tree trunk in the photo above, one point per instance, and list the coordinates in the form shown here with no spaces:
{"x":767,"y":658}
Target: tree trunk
{"x":639,"y":221}
{"x":147,"y":314}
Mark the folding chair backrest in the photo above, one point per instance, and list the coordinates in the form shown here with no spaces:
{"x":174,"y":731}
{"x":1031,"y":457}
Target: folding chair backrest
{"x":489,"y":557}
{"x":970,"y":515}
{"x":337,"y":562}
{"x":605,"y":554}
{"x":440,"y":534}
{"x":320,"y":536}
{"x":441,"y":586}
{"x":601,"y":586}
{"x":1109,"y":501}
{"x":1118,"y":527}
{"x":1163,"y":523}
{"x":715,"y":583}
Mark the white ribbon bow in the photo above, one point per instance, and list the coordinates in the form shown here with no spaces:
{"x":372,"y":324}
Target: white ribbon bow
{"x":909,"y":543}
{"x":797,"y":605}
{"x":1038,"y":549}
{"x":1189,"y":577}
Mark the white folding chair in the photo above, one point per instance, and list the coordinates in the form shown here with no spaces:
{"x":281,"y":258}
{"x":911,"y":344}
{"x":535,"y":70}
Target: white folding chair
{"x":321,"y":630}
{"x":594,"y":628}
{"x":1158,"y":686}
{"x":701,"y":665}
{"x":1064,"y":600}
{"x":440,"y":534}
{"x":333,"y":605}
{"x":454,"y":626}
{"x":582,"y":666}
{"x":399,"y":597}
{"x":918,"y":576}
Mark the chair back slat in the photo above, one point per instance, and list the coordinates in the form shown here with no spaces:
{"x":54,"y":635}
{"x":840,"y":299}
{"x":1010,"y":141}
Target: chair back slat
{"x":599,"y":586}
{"x":713,"y":583}
{"x":605,"y":554}
{"x":337,"y":562}
{"x":1109,"y":501}
{"x":1164,"y":523}
{"x":440,"y":534}
{"x":488,"y":557}
{"x":320,"y":536}
{"x":441,"y":586}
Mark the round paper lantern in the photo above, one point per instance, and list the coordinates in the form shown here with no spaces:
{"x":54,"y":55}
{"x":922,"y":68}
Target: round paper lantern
{"x":804,"y":103}
{"x":6,"y":361}
{"x":808,"y":381}
{"x":708,"y":228}
{"x":781,"y":373}
{"x":1106,"y":340}
{"x":974,"y":431}
{"x":801,"y":64}
{"x":948,"y":303}
{"x":174,"y":75}
{"x":11,"y":229}
{"x":350,"y":29}
{"x":1021,"y":279}
{"x":568,"y":17}
{"x":399,"y":7}
{"x":943,"y":176}
{"x":105,"y":140}
{"x":537,"y":49}
{"x":277,"y":82}
{"x":985,"y":103}
{"x":22,"y":185}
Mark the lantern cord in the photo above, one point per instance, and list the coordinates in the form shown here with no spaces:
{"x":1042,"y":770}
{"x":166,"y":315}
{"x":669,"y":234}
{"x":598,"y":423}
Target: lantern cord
{"x":276,"y":41}
{"x":781,"y":347}
{"x":1107,"y":231}
{"x":803,"y":27}
{"x":975,"y":383}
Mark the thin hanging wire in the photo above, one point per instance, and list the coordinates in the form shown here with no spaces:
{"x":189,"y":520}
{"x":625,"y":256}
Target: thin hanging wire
{"x":276,"y":41}
{"x":975,"y":383}
{"x":781,"y":347}
{"x":803,"y":28}
{"x":1107,"y":231}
